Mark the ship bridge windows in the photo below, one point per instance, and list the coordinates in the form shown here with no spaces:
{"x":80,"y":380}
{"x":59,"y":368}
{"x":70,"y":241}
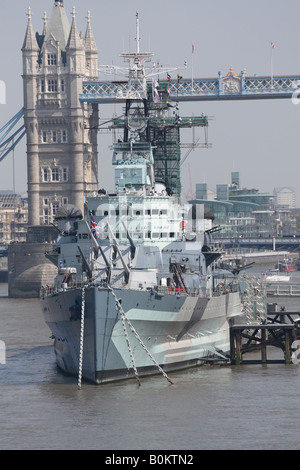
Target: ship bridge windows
{"x":157,"y":212}
{"x":138,"y":235}
{"x":159,"y":235}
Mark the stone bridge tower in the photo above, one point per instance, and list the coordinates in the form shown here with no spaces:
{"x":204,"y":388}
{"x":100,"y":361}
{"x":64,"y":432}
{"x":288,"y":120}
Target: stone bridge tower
{"x":61,"y":132}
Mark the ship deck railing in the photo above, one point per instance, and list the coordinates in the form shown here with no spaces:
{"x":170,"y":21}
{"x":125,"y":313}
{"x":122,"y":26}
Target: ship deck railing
{"x":49,"y":290}
{"x":195,"y":292}
{"x":283,"y":290}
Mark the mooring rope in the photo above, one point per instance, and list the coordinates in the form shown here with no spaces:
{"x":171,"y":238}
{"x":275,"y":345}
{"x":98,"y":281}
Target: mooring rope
{"x":124,"y":317}
{"x":81,"y":337}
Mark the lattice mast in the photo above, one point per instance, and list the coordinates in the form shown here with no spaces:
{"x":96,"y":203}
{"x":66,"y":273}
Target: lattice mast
{"x":148,"y":117}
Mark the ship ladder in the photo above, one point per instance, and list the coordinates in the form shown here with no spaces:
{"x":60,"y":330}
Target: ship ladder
{"x":178,"y":273}
{"x":124,"y":317}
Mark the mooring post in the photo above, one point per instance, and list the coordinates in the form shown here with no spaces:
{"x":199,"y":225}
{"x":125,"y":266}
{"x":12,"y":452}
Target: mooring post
{"x":282,"y":318}
{"x":287,"y":352}
{"x":263,"y":346}
{"x":232,"y":346}
{"x":238,"y":356}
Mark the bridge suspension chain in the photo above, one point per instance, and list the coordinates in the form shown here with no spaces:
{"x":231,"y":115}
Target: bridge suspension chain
{"x":7,"y":145}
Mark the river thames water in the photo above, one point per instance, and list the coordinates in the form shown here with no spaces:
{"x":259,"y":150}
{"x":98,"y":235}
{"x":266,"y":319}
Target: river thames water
{"x":209,"y":408}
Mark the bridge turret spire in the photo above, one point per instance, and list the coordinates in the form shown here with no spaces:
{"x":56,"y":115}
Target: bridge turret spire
{"x":91,"y":52}
{"x":58,"y":26}
{"x":45,"y":19}
{"x":74,"y":41}
{"x":30,"y":40}
{"x":90,"y":44}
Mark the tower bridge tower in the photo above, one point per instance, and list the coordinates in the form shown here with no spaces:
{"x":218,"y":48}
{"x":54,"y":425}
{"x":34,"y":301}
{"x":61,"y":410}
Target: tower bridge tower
{"x":61,"y":131}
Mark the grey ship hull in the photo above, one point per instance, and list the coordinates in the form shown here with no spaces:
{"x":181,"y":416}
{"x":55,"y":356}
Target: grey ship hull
{"x":178,"y":330}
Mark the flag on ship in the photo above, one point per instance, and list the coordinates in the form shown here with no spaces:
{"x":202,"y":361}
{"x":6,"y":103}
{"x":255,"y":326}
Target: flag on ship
{"x":94,"y":227}
{"x":272,"y":45}
{"x":168,"y":76}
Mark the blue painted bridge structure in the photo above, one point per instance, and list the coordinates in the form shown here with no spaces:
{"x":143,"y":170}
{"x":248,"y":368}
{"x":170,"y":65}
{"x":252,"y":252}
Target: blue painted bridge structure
{"x":290,"y":244}
{"x":230,"y":87}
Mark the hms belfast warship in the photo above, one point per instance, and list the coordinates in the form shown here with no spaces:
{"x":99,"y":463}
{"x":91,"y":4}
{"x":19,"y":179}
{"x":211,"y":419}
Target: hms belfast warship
{"x":135,"y":292}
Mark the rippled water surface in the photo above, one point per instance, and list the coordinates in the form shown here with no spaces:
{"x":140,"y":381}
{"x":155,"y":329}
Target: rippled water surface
{"x":246,"y":407}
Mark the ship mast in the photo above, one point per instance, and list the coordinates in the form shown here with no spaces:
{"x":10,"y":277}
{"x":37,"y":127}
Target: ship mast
{"x":134,"y":157}
{"x":137,"y":82}
{"x":137,"y":33}
{"x":147,"y":121}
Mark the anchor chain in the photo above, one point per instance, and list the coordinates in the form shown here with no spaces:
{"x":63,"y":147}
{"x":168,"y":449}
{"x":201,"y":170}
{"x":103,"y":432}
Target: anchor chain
{"x":129,"y":347}
{"x":81,"y":337}
{"x":122,"y":313}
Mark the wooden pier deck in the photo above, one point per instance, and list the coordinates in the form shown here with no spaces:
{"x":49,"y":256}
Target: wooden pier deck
{"x":274,"y":332}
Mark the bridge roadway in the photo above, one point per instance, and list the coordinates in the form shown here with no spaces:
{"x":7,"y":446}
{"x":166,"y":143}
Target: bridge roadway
{"x":271,"y":243}
{"x":229,"y":87}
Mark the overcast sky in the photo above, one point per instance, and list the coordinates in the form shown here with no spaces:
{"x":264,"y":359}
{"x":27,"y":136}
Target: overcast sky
{"x":260,"y":139}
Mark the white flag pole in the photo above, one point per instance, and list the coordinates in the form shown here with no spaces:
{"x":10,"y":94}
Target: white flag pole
{"x":192,"y":67}
{"x":272,"y":47}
